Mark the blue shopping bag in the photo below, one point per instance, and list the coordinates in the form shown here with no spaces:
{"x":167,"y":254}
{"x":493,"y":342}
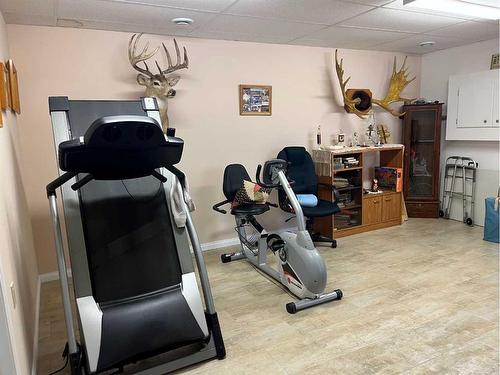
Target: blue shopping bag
{"x":491,"y":220}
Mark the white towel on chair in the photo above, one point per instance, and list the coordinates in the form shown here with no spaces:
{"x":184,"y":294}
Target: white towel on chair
{"x":179,"y":196}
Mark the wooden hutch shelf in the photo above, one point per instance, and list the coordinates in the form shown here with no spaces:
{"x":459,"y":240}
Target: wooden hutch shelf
{"x":364,"y":212}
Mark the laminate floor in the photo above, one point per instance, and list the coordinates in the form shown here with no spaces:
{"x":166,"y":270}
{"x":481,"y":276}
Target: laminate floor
{"x":421,"y":298}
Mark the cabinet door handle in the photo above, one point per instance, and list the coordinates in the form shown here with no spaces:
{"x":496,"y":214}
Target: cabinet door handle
{"x":388,"y":199}
{"x":375,"y":202}
{"x":485,"y":121}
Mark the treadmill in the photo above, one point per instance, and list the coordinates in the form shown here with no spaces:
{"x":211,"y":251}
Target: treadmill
{"x":138,"y":304}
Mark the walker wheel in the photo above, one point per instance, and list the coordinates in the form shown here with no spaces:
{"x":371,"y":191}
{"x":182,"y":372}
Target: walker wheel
{"x":469,"y":222}
{"x":441,"y":213}
{"x":334,"y":244}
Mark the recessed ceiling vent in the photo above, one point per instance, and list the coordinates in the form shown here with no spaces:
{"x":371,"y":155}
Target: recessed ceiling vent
{"x":182,"y":21}
{"x":427,"y":44}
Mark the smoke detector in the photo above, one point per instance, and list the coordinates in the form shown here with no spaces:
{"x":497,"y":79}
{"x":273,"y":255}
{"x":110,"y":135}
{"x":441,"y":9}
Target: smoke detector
{"x":182,"y":21}
{"x":427,"y":44}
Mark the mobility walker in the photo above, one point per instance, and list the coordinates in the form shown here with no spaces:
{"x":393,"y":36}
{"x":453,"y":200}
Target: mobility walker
{"x":462,"y":168}
{"x":301,"y":269}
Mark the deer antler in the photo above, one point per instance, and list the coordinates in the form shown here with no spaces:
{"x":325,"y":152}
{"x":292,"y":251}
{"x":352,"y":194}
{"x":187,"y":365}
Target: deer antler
{"x":178,"y":64}
{"x":349,"y":104}
{"x":399,"y":80}
{"x":135,"y":58}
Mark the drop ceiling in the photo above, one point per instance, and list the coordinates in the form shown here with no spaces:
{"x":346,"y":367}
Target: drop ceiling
{"x":384,"y":25}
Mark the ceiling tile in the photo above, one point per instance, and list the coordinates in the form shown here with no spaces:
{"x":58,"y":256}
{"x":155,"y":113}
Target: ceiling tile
{"x":411,"y":44}
{"x":350,"y":37}
{"x":376,"y":3}
{"x":491,"y":3}
{"x":398,"y":4}
{"x":106,"y":11}
{"x":129,"y":27}
{"x":313,"y":43}
{"x":469,"y":31}
{"x":238,"y":37}
{"x":39,"y":7}
{"x":398,"y":20}
{"x":314,"y":11}
{"x":259,"y":27}
{"x":28,"y":19}
{"x":203,"y":5}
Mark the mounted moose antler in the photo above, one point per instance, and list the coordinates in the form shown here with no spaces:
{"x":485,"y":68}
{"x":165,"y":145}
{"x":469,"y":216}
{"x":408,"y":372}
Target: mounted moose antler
{"x":399,"y":80}
{"x":158,"y":85}
{"x":349,"y":103}
{"x":353,"y":98}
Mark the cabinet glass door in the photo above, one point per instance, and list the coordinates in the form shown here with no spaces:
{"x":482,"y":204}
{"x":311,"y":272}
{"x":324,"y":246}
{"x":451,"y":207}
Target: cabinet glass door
{"x":421,"y":153}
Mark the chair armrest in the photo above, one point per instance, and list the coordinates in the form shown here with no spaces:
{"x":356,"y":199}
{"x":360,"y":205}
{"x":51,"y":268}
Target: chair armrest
{"x":215,"y":207}
{"x":332,"y":187}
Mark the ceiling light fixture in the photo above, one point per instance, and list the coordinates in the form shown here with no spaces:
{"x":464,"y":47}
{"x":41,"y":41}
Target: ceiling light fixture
{"x":182,"y":21}
{"x":457,"y":7}
{"x":426,"y":44}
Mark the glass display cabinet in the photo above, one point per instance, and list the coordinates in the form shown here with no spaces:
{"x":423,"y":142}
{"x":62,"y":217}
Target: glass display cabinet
{"x":422,"y":137}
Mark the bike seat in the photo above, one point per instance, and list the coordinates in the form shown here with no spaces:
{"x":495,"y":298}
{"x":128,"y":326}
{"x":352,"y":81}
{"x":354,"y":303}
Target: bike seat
{"x":250,"y":209}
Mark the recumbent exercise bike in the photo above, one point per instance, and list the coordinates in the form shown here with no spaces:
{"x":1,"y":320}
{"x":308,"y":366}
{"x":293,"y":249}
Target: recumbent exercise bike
{"x":301,"y":269}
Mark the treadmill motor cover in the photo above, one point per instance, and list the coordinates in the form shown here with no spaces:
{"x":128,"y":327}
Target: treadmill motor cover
{"x":120,"y":147}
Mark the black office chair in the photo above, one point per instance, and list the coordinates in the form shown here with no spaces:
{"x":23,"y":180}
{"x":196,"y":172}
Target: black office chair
{"x":301,"y":171}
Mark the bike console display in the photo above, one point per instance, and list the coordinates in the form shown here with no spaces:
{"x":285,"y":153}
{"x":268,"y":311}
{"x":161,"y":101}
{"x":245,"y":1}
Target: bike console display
{"x":271,"y":169}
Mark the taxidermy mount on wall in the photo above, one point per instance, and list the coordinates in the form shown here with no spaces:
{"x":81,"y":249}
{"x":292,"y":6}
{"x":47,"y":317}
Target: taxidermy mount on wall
{"x":360,"y":101}
{"x":158,"y":85}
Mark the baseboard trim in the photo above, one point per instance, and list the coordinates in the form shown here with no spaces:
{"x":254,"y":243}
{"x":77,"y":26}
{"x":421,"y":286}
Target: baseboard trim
{"x":37,"y":327}
{"x":220,"y":244}
{"x":53,"y":276}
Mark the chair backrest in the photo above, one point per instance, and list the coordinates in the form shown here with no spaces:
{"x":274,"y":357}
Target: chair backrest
{"x":234,"y":175}
{"x":301,"y":169}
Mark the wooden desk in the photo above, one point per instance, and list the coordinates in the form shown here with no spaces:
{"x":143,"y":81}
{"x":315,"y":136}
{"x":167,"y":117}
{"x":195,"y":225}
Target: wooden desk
{"x":367,"y":211}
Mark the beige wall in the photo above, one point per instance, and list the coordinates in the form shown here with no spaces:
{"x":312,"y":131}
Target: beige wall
{"x":87,"y":64}
{"x":17,"y":254}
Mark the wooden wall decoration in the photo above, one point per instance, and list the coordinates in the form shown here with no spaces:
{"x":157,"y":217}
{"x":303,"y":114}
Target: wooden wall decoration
{"x":15,"y":104}
{"x":4,"y":102}
{"x":3,"y":88}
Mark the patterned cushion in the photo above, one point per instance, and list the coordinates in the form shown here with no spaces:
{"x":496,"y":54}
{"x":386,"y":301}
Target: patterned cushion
{"x":251,"y":193}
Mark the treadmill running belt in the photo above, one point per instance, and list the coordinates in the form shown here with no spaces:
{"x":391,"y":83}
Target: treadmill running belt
{"x":128,"y":235}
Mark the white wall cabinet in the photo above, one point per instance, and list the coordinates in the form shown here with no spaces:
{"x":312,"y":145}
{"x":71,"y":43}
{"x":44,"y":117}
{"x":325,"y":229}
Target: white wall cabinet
{"x":473,"y":110}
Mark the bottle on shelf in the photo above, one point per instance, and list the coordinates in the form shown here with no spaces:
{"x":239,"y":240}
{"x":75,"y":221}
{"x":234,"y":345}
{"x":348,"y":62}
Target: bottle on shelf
{"x":318,"y":137}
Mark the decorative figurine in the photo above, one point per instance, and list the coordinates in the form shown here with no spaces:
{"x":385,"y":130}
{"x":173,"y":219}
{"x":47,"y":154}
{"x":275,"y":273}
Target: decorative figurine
{"x":374,"y":185}
{"x":355,"y":140}
{"x":384,"y":135}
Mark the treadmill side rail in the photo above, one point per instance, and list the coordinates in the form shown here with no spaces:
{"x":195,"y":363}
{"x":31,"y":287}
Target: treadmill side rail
{"x":63,"y":276}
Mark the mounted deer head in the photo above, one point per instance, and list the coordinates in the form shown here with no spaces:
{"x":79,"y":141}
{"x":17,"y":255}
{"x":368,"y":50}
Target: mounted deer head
{"x":160,"y":84}
{"x":359,"y":101}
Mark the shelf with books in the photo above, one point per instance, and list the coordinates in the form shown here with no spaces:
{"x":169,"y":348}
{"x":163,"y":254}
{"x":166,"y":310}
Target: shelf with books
{"x":349,"y":170}
{"x":350,"y":187}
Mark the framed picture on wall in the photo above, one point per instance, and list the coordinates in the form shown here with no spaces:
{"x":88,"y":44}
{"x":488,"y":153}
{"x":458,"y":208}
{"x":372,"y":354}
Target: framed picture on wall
{"x":255,"y":100}
{"x":3,"y":88}
{"x":15,"y":105}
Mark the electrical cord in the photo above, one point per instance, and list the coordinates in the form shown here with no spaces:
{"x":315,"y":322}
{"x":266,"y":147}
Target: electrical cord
{"x":65,"y":354}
